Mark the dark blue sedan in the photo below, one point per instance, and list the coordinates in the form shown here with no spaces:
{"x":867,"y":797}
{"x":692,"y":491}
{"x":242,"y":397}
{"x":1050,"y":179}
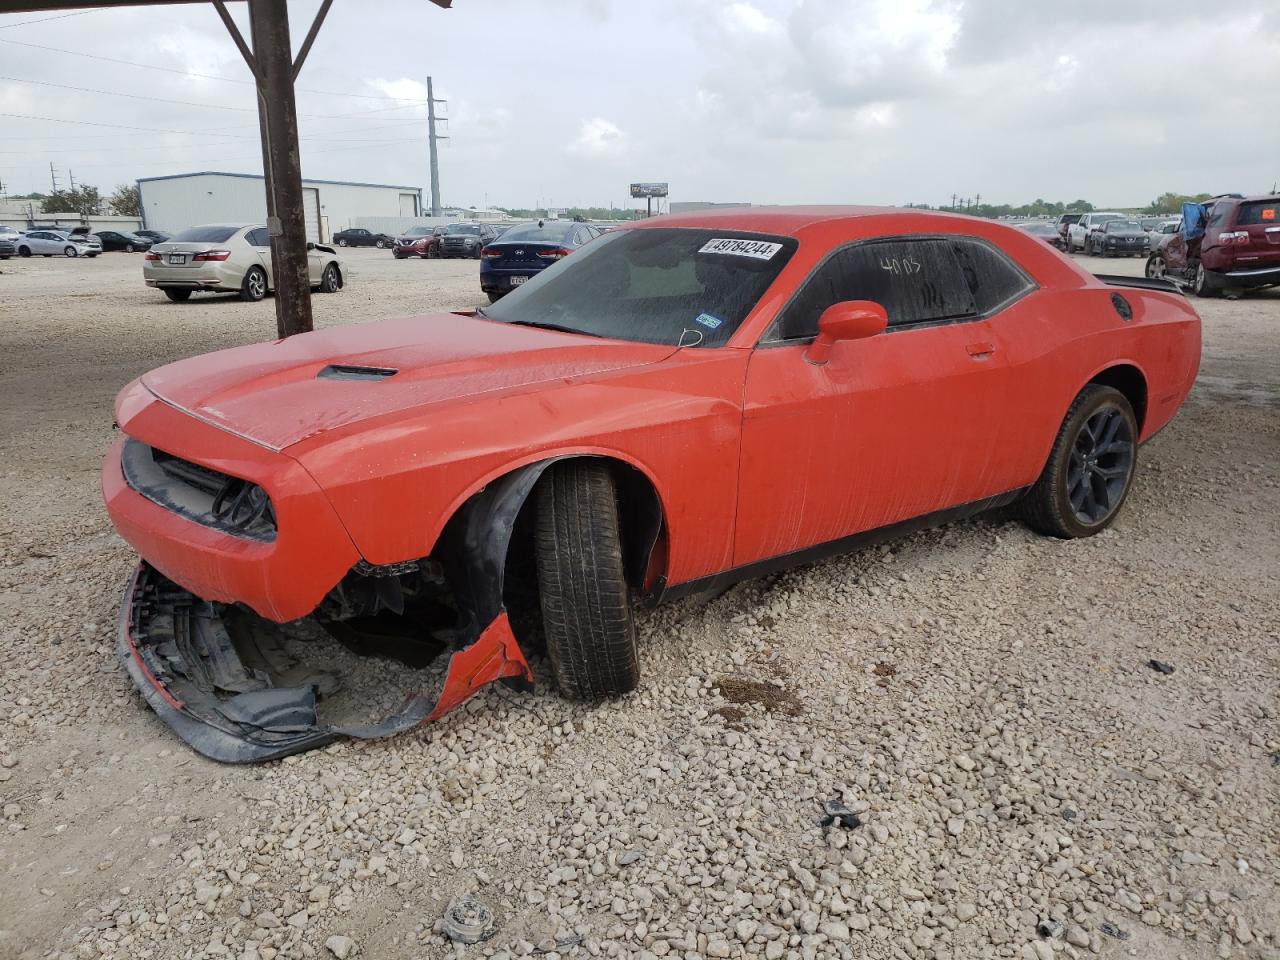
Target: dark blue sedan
{"x":527,"y":248}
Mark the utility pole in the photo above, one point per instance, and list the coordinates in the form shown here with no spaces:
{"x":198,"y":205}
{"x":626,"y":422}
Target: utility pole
{"x":53,"y":176}
{"x":953,"y":202}
{"x":432,"y":137}
{"x":977,"y":200}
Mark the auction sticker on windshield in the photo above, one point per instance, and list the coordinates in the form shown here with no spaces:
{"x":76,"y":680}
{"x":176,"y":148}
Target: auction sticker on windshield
{"x":756,"y":249}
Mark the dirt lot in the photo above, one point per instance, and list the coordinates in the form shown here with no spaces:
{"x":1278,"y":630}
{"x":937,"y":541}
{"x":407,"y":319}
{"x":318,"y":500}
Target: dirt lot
{"x":978,"y":694}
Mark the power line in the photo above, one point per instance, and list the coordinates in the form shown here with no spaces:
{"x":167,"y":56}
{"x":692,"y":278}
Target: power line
{"x":189,"y":73}
{"x":61,"y":16}
{"x":121,"y":126}
{"x":213,"y":132}
{"x":131,"y":96}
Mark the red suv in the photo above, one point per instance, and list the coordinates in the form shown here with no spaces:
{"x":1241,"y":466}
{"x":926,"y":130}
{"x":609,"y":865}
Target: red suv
{"x":1228,"y":244}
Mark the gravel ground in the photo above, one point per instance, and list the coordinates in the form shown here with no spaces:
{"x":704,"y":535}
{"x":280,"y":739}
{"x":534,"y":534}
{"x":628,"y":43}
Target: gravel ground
{"x":978,"y":695}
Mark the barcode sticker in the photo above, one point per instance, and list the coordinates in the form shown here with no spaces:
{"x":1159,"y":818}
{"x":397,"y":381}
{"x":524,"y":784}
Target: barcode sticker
{"x":755,"y":249}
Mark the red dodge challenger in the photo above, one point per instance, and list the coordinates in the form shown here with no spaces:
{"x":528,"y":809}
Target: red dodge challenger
{"x":681,"y":404}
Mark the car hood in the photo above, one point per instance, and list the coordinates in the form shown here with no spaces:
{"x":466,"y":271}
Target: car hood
{"x":277,"y":394}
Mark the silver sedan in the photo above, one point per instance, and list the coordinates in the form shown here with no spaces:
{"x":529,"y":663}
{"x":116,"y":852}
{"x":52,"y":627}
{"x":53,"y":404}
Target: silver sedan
{"x":230,"y":258}
{"x":57,"y":243}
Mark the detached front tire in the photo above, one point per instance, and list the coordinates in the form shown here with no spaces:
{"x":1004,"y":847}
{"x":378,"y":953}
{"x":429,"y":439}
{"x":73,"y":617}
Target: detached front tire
{"x":586,"y":608}
{"x":1090,"y":468}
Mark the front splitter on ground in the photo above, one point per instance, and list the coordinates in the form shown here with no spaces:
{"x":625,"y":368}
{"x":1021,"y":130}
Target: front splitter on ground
{"x":235,"y":687}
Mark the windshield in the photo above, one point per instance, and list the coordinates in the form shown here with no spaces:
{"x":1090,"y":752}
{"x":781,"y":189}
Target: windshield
{"x":1040,"y":229}
{"x":469,"y":229}
{"x":532,"y":233}
{"x":1120,"y":226}
{"x":681,"y":287}
{"x":417,"y":231}
{"x":215,"y":233}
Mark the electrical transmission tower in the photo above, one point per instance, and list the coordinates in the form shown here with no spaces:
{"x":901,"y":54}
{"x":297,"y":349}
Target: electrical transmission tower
{"x":432,"y":137}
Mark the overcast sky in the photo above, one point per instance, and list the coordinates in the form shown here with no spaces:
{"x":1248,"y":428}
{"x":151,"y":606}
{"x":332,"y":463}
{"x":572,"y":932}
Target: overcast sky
{"x":768,"y":101}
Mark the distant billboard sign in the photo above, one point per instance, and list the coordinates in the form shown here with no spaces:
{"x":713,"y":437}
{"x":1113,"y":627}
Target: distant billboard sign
{"x":648,"y":190}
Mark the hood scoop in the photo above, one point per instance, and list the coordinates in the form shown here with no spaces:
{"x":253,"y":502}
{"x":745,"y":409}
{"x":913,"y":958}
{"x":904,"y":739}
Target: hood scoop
{"x":343,"y":371}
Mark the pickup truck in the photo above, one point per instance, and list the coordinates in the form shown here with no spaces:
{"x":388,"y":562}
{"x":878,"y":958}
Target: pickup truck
{"x":1078,"y":232}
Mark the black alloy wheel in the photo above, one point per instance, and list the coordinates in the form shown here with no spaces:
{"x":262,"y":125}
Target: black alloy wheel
{"x":1090,"y":468}
{"x":1100,"y":465}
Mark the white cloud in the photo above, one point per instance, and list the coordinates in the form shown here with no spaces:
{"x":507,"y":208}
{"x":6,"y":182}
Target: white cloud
{"x":771,"y":101}
{"x":599,"y":138}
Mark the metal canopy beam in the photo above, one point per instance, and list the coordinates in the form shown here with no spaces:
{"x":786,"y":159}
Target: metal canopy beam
{"x":274,"y":69}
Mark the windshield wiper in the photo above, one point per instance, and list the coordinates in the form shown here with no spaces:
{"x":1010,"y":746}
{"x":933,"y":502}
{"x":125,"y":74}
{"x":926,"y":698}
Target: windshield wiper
{"x":560,"y":328}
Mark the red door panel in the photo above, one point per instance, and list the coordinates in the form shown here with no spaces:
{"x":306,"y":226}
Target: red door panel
{"x":892,"y":427}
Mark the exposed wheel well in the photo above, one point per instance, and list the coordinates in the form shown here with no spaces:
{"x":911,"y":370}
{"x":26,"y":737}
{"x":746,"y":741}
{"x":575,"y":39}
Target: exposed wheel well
{"x":1129,"y":380}
{"x":640,"y":519}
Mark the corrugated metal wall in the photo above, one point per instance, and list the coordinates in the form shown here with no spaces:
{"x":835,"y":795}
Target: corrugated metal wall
{"x":173,"y":204}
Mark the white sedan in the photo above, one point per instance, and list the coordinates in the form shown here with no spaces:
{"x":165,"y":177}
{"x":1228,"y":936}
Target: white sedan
{"x":230,"y":258}
{"x":57,"y":243}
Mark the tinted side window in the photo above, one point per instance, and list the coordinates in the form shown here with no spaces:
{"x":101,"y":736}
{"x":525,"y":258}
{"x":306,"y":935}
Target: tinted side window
{"x":916,"y":281}
{"x":991,"y":277}
{"x":259,"y":237}
{"x":1219,"y":216}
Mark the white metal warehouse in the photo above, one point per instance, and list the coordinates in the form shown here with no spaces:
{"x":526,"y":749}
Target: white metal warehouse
{"x":184,"y":200}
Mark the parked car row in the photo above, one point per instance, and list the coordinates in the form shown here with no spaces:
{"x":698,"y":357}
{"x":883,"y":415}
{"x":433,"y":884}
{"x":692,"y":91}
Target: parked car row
{"x":53,"y":241}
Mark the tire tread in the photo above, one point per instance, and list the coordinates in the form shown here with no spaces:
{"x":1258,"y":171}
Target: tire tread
{"x":586,"y":605}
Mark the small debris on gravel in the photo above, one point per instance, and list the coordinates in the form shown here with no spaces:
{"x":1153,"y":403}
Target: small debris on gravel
{"x":834,"y":811}
{"x":1160,"y":666}
{"x":774,"y":697}
{"x":1049,"y":929}
{"x":467,"y":920}
{"x":1111,"y":930}
{"x":885,"y":672}
{"x":630,"y":857}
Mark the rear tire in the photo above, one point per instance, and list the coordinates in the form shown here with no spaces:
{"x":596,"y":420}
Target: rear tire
{"x":493,"y":297}
{"x":1156,"y":267}
{"x":1205,"y":283}
{"x":254,"y":286}
{"x":330,"y":280}
{"x":178,"y":295}
{"x":586,"y":608}
{"x":1090,"y":468}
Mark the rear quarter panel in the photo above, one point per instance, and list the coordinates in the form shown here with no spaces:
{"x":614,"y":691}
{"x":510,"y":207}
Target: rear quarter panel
{"x":1063,"y":339}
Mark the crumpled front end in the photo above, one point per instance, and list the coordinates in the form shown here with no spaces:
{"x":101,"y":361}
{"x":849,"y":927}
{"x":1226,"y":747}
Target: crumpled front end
{"x":239,"y":688}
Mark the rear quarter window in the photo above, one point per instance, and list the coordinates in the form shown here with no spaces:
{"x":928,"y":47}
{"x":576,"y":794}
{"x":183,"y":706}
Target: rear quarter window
{"x":1262,"y":211}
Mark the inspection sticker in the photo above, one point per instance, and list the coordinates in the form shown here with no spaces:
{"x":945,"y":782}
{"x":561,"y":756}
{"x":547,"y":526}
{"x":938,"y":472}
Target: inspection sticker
{"x":707,"y":320}
{"x":756,"y":249}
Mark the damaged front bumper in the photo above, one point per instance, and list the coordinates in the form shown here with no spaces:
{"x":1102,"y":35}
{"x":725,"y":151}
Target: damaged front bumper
{"x":234,"y":687}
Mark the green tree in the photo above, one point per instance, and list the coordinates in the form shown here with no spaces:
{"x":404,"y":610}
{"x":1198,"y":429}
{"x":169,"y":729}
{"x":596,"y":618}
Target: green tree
{"x":126,"y":201}
{"x":83,"y":199}
{"x":1172,"y":202}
